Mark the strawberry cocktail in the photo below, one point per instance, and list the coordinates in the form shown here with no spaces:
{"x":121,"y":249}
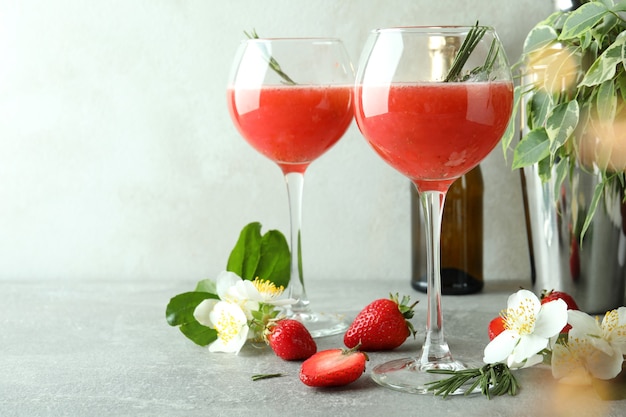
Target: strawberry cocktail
{"x":291,"y":125}
{"x":292,"y":99}
{"x":432,"y":102}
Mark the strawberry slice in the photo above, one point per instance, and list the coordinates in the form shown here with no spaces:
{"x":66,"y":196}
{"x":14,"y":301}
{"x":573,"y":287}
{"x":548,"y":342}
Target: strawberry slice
{"x":333,"y":368}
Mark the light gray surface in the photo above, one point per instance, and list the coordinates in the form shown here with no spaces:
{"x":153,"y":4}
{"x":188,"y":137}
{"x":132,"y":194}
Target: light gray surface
{"x":103,"y":348}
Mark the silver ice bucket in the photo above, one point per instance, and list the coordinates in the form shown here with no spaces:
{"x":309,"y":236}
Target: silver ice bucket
{"x":593,"y":270}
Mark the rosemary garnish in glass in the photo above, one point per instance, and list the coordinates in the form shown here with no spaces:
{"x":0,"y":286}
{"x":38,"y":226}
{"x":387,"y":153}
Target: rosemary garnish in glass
{"x":270,"y":60}
{"x":472,"y":39}
{"x":491,"y":379}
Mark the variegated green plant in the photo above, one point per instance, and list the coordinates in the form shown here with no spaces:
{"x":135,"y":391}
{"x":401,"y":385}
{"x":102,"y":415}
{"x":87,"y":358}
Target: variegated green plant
{"x":583,"y":52}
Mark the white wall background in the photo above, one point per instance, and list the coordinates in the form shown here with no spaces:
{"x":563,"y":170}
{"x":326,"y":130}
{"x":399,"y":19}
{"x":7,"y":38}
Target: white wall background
{"x":118,"y":159}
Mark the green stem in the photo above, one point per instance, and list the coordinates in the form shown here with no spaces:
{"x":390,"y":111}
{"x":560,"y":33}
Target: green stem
{"x":274,"y":65}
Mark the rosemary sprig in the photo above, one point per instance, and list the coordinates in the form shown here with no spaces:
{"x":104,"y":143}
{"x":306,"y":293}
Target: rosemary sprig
{"x":258,"y":377}
{"x":274,"y":65}
{"x":492,"y":379}
{"x":472,"y":39}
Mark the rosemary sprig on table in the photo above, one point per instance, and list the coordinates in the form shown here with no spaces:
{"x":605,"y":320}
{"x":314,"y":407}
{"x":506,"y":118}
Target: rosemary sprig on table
{"x":259,"y":377}
{"x":472,"y":39}
{"x":492,"y":379}
{"x":274,"y":65}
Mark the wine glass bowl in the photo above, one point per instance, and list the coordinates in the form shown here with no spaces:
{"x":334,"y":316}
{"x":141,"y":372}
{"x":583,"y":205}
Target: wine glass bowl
{"x":292,"y":100}
{"x":458,"y":123}
{"x":432,"y":102}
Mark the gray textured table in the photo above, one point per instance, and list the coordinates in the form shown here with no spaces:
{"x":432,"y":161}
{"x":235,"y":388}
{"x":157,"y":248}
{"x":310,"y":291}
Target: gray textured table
{"x":103,"y":348}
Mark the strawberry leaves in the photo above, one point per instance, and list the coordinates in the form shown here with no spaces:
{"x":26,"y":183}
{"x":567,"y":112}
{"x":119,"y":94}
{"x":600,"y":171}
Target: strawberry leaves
{"x":265,"y":256}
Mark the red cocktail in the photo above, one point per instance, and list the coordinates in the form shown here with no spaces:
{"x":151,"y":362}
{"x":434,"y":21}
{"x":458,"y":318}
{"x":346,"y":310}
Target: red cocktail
{"x":434,"y":133}
{"x":291,"y":99}
{"x":432,"y":102}
{"x":291,"y":125}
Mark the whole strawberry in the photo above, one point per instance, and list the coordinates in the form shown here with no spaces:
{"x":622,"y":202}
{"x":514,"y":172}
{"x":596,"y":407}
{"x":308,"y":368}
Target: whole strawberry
{"x":496,"y":326}
{"x":290,"y":340}
{"x":551,"y":295}
{"x":381,"y":325}
{"x":547,"y":296}
{"x":333,"y":368}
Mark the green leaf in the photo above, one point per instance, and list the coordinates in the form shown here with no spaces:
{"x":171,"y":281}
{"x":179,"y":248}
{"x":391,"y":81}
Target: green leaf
{"x":533,"y":147}
{"x":604,"y":67}
{"x":619,"y":7}
{"x":539,"y":107}
{"x":597,"y":193}
{"x":199,"y":334}
{"x":512,"y":128}
{"x":544,"y":169}
{"x":561,"y":124}
{"x":275,"y":260}
{"x":179,"y":312}
{"x":180,"y":308}
{"x":244,"y":257}
{"x":621,"y":84}
{"x":539,"y":37}
{"x":582,"y":20}
{"x":609,"y":22}
{"x":266,"y":257}
{"x":606,"y":101}
{"x":206,"y":285}
{"x":562,"y":169}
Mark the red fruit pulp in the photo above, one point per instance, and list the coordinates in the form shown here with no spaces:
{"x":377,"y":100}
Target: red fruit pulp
{"x":333,"y":367}
{"x":291,"y":125}
{"x":433,"y":133}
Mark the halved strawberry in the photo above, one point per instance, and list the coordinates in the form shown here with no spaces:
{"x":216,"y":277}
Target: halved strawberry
{"x":290,"y":340}
{"x":333,"y":368}
{"x":547,"y":296}
{"x":382,"y":325}
{"x":496,"y":326}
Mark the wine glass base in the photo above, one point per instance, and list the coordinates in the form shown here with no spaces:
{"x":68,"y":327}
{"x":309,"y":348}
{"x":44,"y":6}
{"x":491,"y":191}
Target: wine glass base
{"x":412,"y":376}
{"x":321,"y":324}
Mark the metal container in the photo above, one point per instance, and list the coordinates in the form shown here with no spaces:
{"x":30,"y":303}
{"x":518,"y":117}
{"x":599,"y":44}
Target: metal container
{"x":593,"y":270}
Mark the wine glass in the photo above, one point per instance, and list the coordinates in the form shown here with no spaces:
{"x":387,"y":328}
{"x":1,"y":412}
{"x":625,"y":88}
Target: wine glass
{"x":291,"y":99}
{"x":432,"y":102}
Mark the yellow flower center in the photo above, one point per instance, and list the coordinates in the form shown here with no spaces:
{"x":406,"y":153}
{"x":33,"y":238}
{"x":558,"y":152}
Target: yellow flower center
{"x":267,"y":288}
{"x":227,"y":326}
{"x":522,"y":318}
{"x":577,"y":351}
{"x":611,"y":326}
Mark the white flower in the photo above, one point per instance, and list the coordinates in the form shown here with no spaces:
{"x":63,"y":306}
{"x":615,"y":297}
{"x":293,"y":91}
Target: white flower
{"x":530,"y":327}
{"x":248,"y":294}
{"x":578,"y":361}
{"x":228,"y":319}
{"x":593,"y":349}
{"x":608,"y":336}
{"x":231,"y":315}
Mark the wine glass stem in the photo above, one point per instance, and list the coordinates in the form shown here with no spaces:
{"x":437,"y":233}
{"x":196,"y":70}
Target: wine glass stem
{"x":295,"y":185}
{"x":435,"y":348}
